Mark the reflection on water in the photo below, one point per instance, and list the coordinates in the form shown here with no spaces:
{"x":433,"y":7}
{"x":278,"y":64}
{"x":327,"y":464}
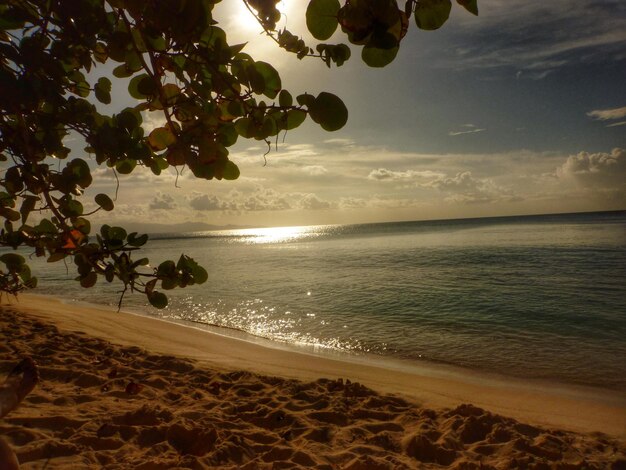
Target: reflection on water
{"x":274,"y":234}
{"x":524,"y":296}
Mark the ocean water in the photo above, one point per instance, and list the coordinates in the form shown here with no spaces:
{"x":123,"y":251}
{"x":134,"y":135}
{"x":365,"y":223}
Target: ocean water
{"x":540,"y":297}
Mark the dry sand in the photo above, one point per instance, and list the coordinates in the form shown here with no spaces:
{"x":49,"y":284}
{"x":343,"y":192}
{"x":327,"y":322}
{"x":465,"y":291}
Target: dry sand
{"x":197,"y":400}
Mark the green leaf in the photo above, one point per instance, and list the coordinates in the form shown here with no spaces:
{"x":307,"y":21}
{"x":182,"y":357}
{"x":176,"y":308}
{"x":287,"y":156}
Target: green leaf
{"x":116,"y":234}
{"x":231,"y":171}
{"x":285,"y":99}
{"x":89,"y":280}
{"x":56,"y":257}
{"x":321,"y":18}
{"x":161,"y":138}
{"x":376,"y":57}
{"x":264,"y":79}
{"x":71,"y":208}
{"x":13,"y":261}
{"x":78,"y":171}
{"x":157,"y":299}
{"x":469,"y":5}
{"x":100,"y":53}
{"x":103,"y":90}
{"x":305,"y":99}
{"x":10,"y":214}
{"x":295,"y":117}
{"x":329,"y":111}
{"x":166,"y":268}
{"x":432,"y":14}
{"x":27,"y":206}
{"x":82,"y":225}
{"x":146,"y":89}
{"x":104,"y":201}
{"x":125,"y":166}
{"x":134,"y":240}
{"x":245,"y":128}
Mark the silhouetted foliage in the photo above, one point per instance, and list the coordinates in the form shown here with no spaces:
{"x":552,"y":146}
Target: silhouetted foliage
{"x":177,"y":63}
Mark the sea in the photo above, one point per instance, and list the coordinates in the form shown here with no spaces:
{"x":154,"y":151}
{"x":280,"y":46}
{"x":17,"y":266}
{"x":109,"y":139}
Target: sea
{"x":534,"y":297}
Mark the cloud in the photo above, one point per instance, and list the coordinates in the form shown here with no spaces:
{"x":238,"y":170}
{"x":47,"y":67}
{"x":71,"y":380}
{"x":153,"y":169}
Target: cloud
{"x":609,"y":115}
{"x":465,"y":188}
{"x":162,"y":201}
{"x":352,"y":203}
{"x":312,"y":202}
{"x":470,"y":129}
{"x":340,"y":142}
{"x":207,"y":202}
{"x":314,"y":170}
{"x":383,"y":174}
{"x":539,"y":37}
{"x":596,"y":169}
{"x":261,"y":199}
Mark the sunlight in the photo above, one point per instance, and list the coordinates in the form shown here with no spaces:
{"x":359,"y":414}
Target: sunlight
{"x":274,"y":234}
{"x":247,"y":23}
{"x":244,"y":20}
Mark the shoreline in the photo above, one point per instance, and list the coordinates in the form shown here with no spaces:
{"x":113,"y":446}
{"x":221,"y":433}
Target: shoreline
{"x":424,"y":367}
{"x":575,"y":408}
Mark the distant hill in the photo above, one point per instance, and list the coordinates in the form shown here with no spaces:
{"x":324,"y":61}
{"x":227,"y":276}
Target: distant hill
{"x":176,"y":228}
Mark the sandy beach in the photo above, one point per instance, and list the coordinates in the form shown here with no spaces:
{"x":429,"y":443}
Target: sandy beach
{"x":124,"y":391}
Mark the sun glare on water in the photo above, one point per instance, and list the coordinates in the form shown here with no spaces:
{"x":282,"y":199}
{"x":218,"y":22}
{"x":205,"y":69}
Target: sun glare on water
{"x":274,"y":234}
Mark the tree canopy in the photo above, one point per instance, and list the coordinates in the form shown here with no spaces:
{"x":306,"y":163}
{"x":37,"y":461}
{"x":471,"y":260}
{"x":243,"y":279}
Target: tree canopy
{"x":178,"y":64}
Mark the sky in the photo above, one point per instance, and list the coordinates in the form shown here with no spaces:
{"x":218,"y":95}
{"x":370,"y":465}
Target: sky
{"x":521,"y":110}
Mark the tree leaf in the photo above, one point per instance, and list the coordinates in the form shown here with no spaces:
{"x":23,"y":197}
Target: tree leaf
{"x":157,"y":299}
{"x":161,"y":138}
{"x":147,"y":86}
{"x":89,"y":280}
{"x":432,"y":14}
{"x":376,"y":57}
{"x":285,"y":99}
{"x":104,"y":201}
{"x":321,"y":18}
{"x":329,"y":111}
{"x":13,"y":261}
{"x":469,"y":5}
{"x":103,"y":90}
{"x":231,"y":171}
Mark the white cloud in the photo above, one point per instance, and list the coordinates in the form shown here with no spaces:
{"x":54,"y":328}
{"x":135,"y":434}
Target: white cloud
{"x":473,"y":130}
{"x":596,"y":169}
{"x":465,"y":188}
{"x":312,"y":202}
{"x":162,"y":201}
{"x":314,"y":170}
{"x":383,"y":174}
{"x":609,"y":115}
{"x":352,"y":203}
{"x":340,"y":142}
{"x":209,"y":202}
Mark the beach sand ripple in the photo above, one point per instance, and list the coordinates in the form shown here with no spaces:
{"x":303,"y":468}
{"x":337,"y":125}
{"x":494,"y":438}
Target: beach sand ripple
{"x":103,"y":405}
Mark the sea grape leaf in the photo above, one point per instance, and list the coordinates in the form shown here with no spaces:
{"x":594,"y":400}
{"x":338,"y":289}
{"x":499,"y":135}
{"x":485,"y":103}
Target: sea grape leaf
{"x":161,"y":138}
{"x":329,"y":111}
{"x":231,"y":171}
{"x":377,"y":57}
{"x":321,"y":18}
{"x":432,"y":14}
{"x":103,"y":90}
{"x":89,"y":280}
{"x":157,"y":299}
{"x":104,"y":201}
{"x":469,"y":5}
